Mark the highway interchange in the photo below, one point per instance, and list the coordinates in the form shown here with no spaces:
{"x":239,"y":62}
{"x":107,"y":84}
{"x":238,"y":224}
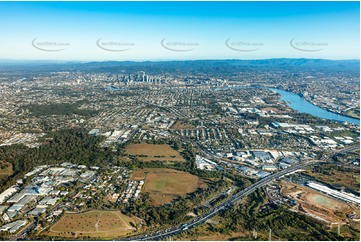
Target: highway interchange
{"x":231,"y":201}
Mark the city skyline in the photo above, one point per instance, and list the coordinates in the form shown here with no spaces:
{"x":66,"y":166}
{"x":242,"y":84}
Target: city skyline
{"x":180,"y":121}
{"x":139,"y":31}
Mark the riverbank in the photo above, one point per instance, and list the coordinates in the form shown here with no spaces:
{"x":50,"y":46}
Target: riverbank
{"x":330,"y":110}
{"x":300,"y":104}
{"x":296,"y":102}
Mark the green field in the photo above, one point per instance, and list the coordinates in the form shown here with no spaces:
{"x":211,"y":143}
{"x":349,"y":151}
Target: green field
{"x":59,"y":109}
{"x":181,"y":125}
{"x":152,"y":152}
{"x":355,"y":113}
{"x":164,"y":185}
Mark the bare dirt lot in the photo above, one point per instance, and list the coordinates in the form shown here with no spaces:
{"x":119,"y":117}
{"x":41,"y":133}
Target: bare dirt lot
{"x":317,"y":204}
{"x":94,"y":223}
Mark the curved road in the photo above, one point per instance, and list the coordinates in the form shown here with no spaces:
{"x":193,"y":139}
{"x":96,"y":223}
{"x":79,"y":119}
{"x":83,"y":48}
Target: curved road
{"x":229,"y":203}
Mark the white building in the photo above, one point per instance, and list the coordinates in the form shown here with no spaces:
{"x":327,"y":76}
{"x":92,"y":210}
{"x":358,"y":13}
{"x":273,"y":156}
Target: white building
{"x":345,"y":196}
{"x":7,"y":193}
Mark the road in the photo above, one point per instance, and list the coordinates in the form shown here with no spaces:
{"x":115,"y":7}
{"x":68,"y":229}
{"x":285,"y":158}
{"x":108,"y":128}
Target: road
{"x":227,"y":204}
{"x":352,"y":148}
{"x":230,"y":202}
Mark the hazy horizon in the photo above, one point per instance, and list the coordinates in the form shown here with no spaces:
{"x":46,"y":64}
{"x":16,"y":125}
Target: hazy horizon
{"x":165,"y":60}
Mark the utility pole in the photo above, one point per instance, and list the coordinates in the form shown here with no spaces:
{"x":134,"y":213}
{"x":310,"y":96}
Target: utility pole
{"x":270,"y":235}
{"x":339,"y":229}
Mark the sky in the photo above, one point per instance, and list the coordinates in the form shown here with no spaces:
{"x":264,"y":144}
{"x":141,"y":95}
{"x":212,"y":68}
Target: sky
{"x":140,"y":31}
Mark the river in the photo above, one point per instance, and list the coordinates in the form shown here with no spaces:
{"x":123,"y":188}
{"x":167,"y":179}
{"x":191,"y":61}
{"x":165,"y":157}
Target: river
{"x":300,"y":104}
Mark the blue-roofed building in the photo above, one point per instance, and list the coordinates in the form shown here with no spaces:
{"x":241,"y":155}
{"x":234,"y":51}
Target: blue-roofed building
{"x":263,"y":174}
{"x":276,"y":124}
{"x":283,"y":165}
{"x":289,"y":161}
{"x":262,"y":156}
{"x":94,"y":132}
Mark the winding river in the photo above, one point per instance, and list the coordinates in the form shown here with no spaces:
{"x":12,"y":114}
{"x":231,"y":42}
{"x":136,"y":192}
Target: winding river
{"x":300,"y":104}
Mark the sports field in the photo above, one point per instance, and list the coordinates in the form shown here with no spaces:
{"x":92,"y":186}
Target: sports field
{"x":164,"y":185}
{"x":324,"y":201}
{"x":94,"y":223}
{"x":151,"y":152}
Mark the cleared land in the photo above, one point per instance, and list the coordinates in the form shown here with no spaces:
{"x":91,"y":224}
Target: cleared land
{"x":152,"y":152}
{"x":316,"y":204}
{"x":94,"y":223}
{"x":6,"y":170}
{"x":164,"y":185}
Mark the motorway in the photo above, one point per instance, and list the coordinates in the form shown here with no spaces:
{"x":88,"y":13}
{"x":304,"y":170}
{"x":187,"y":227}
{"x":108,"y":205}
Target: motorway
{"x":212,"y":212}
{"x":230,"y":202}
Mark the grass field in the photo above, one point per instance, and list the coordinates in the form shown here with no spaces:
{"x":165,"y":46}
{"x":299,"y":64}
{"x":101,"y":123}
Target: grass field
{"x":179,"y":125}
{"x":6,"y":169}
{"x":164,"y":185}
{"x":152,"y":152}
{"x":355,"y":113}
{"x":94,"y":223}
{"x":323,"y":201}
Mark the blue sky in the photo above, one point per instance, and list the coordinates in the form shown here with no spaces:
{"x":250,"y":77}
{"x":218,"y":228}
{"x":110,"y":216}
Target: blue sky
{"x":254,"y":30}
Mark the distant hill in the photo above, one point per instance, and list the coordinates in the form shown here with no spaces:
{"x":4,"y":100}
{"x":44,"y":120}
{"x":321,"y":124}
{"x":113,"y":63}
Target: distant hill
{"x":201,"y":66}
